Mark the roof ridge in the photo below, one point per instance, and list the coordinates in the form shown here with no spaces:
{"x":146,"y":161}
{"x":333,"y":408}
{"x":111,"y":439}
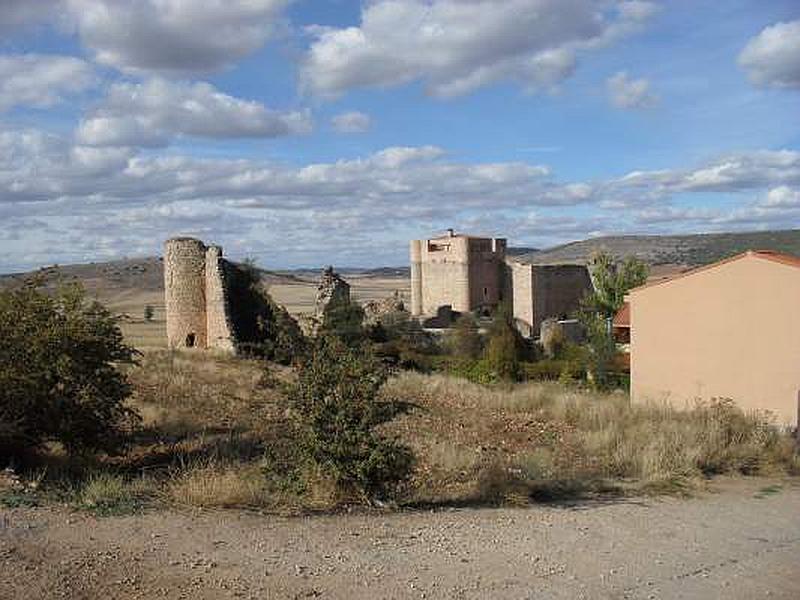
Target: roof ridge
{"x":770,"y":255}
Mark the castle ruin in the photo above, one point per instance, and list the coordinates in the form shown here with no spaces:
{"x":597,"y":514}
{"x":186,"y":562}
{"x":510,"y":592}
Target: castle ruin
{"x":464,"y":273}
{"x":460,"y":271}
{"x":541,"y":292}
{"x":196,"y":298}
{"x":332,"y":288}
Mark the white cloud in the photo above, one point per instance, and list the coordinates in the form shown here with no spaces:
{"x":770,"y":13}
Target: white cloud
{"x":731,"y":173}
{"x":151,"y":113}
{"x":781,"y":197}
{"x":624,"y":92}
{"x":41,"y":80}
{"x":18,"y":14}
{"x":772,"y":58}
{"x":351,"y":122}
{"x":174,"y":36}
{"x":63,"y":202}
{"x":457,"y":46}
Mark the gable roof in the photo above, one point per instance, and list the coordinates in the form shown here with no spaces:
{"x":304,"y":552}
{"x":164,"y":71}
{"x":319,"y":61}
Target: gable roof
{"x":777,"y":257}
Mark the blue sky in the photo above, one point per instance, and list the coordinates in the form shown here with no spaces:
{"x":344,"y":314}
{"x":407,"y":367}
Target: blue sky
{"x":309,"y":132}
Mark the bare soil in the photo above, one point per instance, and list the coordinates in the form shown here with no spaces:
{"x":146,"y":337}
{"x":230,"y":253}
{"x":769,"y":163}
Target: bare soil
{"x":741,"y":539}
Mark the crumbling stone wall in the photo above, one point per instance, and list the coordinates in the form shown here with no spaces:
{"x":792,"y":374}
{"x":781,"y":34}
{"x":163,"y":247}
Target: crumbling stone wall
{"x":331,"y":288}
{"x":218,"y":315}
{"x":197,"y":309}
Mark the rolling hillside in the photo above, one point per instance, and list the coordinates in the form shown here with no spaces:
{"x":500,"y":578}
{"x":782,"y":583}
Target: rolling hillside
{"x":687,"y":250}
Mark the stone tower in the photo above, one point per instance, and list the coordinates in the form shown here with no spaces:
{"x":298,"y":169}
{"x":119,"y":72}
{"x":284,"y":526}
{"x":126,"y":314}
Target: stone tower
{"x":197,"y":307}
{"x":460,"y":271}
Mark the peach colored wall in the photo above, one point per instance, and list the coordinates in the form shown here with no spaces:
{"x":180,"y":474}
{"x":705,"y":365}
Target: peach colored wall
{"x":732,"y":330}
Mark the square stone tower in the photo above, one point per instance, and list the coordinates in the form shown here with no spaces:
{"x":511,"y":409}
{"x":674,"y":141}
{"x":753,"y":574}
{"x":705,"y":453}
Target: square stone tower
{"x":457,"y":270}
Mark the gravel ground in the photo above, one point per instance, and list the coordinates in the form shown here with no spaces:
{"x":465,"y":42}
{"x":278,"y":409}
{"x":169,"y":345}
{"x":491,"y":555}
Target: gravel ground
{"x":741,"y":540}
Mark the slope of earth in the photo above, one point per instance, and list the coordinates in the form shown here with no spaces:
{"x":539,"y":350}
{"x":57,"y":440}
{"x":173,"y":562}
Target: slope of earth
{"x":739,"y":541}
{"x":687,"y":250}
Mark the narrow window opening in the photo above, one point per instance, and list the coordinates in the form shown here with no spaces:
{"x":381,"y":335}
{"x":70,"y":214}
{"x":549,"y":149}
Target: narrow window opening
{"x":485,"y":293}
{"x":190,"y":340}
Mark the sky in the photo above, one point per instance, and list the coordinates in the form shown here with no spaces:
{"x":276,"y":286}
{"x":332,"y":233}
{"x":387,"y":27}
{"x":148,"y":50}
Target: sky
{"x":302,"y":133}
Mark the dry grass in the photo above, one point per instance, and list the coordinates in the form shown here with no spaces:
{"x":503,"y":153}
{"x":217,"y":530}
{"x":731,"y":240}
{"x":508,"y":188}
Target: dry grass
{"x":544,"y":440}
{"x":219,"y":486}
{"x":107,"y":493}
{"x":208,"y":419}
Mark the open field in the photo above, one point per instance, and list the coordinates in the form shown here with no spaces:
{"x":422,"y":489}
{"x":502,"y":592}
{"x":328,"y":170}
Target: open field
{"x":738,"y":541}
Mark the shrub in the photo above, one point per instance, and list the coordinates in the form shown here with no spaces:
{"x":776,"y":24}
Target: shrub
{"x":602,"y":350}
{"x":554,"y":369}
{"x":344,"y":319}
{"x":109,"y":494}
{"x":335,"y":400}
{"x":59,"y":376}
{"x":262,"y":327}
{"x":504,"y":347}
{"x":464,"y":340}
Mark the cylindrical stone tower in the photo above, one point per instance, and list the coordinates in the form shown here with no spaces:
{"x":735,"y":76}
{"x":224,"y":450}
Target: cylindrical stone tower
{"x":416,"y":277}
{"x":459,"y":280}
{"x":185,"y":292}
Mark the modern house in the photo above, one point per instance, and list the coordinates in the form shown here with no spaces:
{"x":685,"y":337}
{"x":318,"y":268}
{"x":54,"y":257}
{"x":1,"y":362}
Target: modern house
{"x":726,"y":330}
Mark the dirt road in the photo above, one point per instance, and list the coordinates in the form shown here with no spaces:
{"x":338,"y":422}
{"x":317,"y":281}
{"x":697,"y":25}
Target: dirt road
{"x":740,"y":541}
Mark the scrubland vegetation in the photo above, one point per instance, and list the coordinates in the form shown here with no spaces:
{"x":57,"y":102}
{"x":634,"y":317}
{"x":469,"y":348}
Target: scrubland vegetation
{"x":373,"y":413}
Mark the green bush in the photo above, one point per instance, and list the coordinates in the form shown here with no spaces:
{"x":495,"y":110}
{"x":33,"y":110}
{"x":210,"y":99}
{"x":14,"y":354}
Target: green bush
{"x":59,"y":375}
{"x":551,"y":369}
{"x":464,"y":340}
{"x":337,"y":408}
{"x":344,"y":319}
{"x":505,"y":346}
{"x":262,"y":327}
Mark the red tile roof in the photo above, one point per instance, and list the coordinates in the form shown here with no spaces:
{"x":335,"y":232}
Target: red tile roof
{"x":623,"y":316}
{"x":778,"y":257}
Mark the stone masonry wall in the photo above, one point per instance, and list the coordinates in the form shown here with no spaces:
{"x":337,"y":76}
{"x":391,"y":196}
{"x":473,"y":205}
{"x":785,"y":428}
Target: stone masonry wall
{"x":185,"y":293}
{"x":218,"y":317}
{"x":196,"y":298}
{"x":458,"y":271}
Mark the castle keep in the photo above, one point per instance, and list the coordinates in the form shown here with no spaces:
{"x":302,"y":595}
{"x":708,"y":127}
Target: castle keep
{"x":468,"y":273}
{"x":197,"y":306}
{"x":460,"y":271}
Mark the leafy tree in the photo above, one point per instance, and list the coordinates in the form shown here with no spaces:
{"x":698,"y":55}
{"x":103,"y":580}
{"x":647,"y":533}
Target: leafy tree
{"x":464,"y":339}
{"x":149,"y":311}
{"x":505,"y":345}
{"x":336,"y":401}
{"x":612,"y":280}
{"x":59,"y":372}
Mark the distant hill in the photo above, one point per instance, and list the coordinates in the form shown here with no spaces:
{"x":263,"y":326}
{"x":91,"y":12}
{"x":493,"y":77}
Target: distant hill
{"x":142,"y":274}
{"x":688,"y":250}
